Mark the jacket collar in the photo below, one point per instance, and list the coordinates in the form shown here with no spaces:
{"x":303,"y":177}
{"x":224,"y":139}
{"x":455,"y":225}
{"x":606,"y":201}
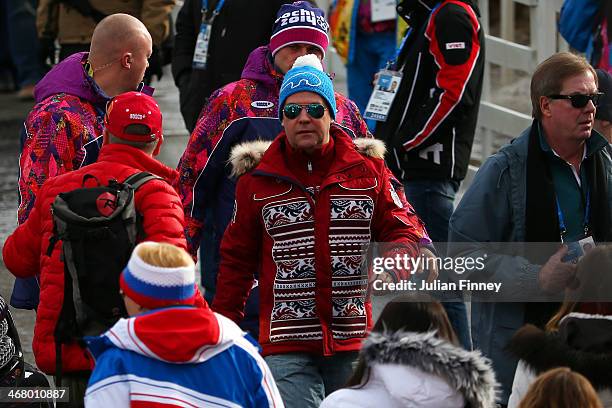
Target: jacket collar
{"x":136,"y":158}
{"x":263,"y":155}
{"x":179,"y":335}
{"x":246,"y":156}
{"x":260,"y":68}
{"x":467,"y":371}
{"x":69,"y":77}
{"x":518,"y":147}
{"x":347,"y":164}
{"x":593,"y":144}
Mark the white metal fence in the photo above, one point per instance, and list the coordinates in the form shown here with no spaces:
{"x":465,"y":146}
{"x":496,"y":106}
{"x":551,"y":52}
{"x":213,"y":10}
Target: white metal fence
{"x":498,"y":124}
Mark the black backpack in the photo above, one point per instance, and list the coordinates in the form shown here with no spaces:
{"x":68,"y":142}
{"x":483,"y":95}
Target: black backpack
{"x":98,"y":227}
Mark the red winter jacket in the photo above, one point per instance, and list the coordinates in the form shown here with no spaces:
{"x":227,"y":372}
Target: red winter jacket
{"x":25,"y":255}
{"x":312,"y":301}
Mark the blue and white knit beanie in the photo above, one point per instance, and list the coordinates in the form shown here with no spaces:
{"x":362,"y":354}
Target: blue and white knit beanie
{"x":307,"y":75}
{"x":153,"y":286}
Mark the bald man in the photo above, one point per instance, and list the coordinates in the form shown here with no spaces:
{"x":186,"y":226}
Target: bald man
{"x":63,"y":131}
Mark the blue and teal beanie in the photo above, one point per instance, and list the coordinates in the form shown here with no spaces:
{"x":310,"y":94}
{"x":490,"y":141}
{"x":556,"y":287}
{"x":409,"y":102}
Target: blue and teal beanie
{"x":307,"y":76}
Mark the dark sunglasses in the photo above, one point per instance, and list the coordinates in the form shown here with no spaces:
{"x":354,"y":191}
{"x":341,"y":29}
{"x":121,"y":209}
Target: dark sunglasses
{"x":314,"y":110}
{"x":580,"y":100}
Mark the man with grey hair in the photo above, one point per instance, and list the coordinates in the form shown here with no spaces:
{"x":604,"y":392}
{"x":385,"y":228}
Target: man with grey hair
{"x":552,"y":184}
{"x":62,"y":132}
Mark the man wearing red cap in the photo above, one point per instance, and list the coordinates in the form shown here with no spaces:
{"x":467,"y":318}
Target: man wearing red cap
{"x":132,"y":136}
{"x":62,"y":132}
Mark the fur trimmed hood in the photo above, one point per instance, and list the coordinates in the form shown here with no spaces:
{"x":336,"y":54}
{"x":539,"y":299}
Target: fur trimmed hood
{"x":246,"y":156}
{"x":468,"y":372}
{"x":583,"y":343}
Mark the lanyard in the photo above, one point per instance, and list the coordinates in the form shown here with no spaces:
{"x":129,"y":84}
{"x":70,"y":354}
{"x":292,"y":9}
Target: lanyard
{"x":216,"y":11}
{"x":587,"y":214}
{"x":392,"y":64}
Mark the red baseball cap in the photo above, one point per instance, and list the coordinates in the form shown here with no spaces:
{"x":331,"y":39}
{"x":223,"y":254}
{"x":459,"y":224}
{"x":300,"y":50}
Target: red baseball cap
{"x":132,"y":108}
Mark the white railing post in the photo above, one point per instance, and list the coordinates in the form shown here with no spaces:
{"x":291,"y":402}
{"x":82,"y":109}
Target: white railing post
{"x":544,"y":27}
{"x":483,"y":5}
{"x":497,"y":124}
{"x":507,"y":17}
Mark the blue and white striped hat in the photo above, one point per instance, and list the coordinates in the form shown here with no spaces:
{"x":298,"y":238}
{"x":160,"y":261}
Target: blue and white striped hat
{"x":153,"y":287}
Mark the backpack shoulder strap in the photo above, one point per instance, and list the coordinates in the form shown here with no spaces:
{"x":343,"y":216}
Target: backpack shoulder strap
{"x":138,"y":179}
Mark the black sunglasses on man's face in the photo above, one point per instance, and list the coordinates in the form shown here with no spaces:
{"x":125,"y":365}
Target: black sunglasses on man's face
{"x":580,"y":100}
{"x":314,"y":110}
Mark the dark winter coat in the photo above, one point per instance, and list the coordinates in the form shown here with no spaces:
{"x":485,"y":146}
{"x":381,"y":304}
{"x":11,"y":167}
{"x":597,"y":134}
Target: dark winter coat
{"x":241,"y":26}
{"x":583,"y":343}
{"x":69,"y":26}
{"x":430,"y":128}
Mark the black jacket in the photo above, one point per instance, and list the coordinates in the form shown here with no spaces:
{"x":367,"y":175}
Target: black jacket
{"x":241,"y":26}
{"x":583,"y":344}
{"x":430,"y":128}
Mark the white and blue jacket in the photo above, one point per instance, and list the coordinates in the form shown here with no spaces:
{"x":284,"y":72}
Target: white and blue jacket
{"x":178,"y":356}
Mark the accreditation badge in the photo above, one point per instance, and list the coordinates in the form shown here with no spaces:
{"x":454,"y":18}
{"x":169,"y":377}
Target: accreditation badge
{"x":383,"y":10}
{"x":384,"y":92}
{"x":200,"y":54}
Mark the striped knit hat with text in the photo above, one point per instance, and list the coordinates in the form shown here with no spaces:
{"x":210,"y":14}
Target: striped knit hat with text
{"x":299,"y":23}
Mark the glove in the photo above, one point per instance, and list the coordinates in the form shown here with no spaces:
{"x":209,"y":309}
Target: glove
{"x":155,"y":66}
{"x":46,"y":52}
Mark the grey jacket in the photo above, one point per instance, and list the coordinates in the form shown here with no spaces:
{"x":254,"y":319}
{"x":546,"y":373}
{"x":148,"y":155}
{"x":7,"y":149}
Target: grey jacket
{"x":493,"y":210}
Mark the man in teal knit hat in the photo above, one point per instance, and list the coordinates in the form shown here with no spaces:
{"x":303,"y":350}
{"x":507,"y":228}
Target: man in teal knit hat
{"x":312,"y":187}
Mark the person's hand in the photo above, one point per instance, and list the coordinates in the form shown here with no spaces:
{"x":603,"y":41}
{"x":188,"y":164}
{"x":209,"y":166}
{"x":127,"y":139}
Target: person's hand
{"x":375,"y":80}
{"x":384,"y":277}
{"x":431,"y":268}
{"x":46,"y":52}
{"x":428,"y":266}
{"x":556,"y":275}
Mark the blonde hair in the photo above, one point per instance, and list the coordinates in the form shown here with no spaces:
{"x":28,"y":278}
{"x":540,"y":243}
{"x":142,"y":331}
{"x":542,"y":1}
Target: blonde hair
{"x":560,"y":388}
{"x":163,"y":255}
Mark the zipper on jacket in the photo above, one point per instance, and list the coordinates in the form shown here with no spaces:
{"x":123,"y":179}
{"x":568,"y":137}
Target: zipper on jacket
{"x":309,"y":167}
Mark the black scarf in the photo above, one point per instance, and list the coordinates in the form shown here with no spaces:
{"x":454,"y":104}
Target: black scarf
{"x":541,"y":221}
